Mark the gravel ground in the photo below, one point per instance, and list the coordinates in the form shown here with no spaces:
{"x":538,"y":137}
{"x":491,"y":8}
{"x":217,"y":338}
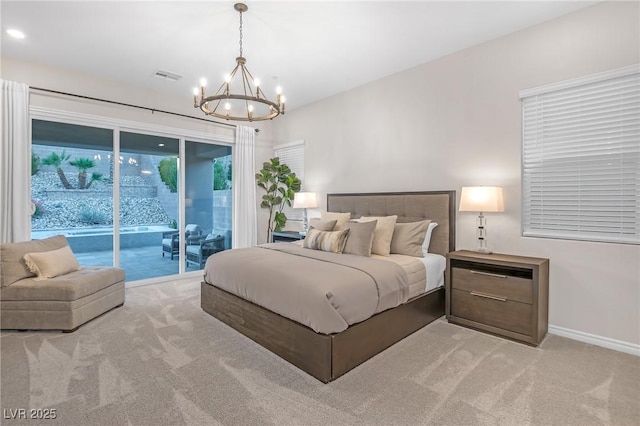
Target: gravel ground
{"x":89,"y":211}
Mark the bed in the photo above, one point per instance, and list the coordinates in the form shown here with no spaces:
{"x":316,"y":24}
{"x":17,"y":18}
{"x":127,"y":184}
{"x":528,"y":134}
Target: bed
{"x":327,"y":356}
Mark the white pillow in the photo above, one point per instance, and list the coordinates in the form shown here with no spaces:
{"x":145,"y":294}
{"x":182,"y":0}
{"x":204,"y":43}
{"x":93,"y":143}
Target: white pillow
{"x":383,"y":234}
{"x":51,"y":264}
{"x":427,"y":238}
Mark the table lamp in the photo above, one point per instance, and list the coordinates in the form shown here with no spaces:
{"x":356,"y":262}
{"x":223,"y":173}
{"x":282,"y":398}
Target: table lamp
{"x":481,"y":199}
{"x":305,"y":200}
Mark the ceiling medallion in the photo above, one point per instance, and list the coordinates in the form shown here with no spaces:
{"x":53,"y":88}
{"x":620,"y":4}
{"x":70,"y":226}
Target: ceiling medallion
{"x":239,"y":97}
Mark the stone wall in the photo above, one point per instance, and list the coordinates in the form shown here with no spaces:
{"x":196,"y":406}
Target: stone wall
{"x":136,"y":191}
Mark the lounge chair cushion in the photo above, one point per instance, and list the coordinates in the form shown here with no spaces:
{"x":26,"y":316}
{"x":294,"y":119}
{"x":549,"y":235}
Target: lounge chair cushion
{"x":75,"y":285}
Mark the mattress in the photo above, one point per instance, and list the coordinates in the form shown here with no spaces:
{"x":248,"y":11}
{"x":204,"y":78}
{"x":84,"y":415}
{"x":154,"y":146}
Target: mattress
{"x":425,"y":273}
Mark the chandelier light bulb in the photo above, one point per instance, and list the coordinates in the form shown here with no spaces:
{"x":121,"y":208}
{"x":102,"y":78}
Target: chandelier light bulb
{"x":257,"y":82}
{"x":227,"y":106}
{"x":227,"y":78}
{"x":195,"y":91}
{"x":203,"y":82}
{"x":278,"y":90}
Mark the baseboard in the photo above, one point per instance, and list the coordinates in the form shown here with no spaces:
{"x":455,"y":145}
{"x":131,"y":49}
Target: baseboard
{"x":605,"y":342}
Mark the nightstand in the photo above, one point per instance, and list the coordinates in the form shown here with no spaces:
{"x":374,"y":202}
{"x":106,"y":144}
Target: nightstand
{"x":498,"y":293}
{"x":286,"y":236}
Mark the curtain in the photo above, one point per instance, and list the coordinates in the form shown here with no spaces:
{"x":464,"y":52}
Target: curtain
{"x":15,"y":164}
{"x":244,"y":189}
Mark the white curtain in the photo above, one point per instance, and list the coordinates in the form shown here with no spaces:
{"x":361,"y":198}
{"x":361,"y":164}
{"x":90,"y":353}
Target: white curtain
{"x":244,"y":189}
{"x":15,"y":164}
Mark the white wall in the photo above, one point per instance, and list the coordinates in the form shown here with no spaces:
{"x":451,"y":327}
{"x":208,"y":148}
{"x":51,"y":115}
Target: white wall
{"x":455,"y":122}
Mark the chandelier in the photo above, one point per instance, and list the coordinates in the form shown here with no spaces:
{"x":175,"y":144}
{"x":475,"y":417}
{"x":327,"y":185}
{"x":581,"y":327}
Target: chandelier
{"x":240,"y":98}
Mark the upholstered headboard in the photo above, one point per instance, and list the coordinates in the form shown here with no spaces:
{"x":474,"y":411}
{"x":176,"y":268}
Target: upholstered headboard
{"x":438,"y":206}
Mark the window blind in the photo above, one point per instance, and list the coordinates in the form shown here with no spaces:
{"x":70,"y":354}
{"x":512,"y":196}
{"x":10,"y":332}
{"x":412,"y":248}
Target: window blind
{"x":292,"y":154}
{"x":581,"y":158}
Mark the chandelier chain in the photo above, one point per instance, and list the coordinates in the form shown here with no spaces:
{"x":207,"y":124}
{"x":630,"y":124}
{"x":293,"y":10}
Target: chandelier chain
{"x":241,"y":34}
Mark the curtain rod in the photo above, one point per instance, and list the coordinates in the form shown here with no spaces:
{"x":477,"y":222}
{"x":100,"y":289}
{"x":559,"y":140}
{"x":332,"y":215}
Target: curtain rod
{"x":135,"y":106}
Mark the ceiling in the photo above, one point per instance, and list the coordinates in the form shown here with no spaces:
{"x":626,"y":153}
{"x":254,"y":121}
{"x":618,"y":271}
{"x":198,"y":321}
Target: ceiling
{"x":313,"y":49}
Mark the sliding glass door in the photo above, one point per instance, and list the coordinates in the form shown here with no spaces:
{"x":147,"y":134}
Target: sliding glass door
{"x":81,"y":175}
{"x":207,"y":200}
{"x":149,"y":206}
{"x":72,"y":188}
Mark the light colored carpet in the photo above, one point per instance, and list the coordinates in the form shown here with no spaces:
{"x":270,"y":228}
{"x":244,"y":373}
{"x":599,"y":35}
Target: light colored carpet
{"x":161,"y":360}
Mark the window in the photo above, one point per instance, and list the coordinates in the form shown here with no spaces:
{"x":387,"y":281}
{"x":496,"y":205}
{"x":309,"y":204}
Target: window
{"x":292,"y":154}
{"x":581,"y":158}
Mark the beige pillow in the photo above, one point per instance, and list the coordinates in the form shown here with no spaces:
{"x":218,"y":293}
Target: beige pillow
{"x":360,"y":238}
{"x":342,"y":219}
{"x":322,"y":225}
{"x":383,"y":235}
{"x":51,"y":264}
{"x":408,"y":238}
{"x":332,"y":241}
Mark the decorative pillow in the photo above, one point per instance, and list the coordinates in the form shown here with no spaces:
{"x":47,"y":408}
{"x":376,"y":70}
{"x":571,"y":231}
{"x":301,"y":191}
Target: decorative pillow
{"x":427,"y":238}
{"x":384,"y":233}
{"x":322,"y":225}
{"x":342,"y":219}
{"x":332,"y":241}
{"x":50,"y":264}
{"x":360,"y":238}
{"x":408,"y":238}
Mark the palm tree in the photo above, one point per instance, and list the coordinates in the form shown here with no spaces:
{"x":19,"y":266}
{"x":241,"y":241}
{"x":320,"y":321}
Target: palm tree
{"x":57,"y":161}
{"x":84,"y":164}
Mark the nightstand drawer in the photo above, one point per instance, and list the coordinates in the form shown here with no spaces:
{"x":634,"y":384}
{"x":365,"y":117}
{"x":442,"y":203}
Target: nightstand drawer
{"x":494,"y":282}
{"x":484,"y":308}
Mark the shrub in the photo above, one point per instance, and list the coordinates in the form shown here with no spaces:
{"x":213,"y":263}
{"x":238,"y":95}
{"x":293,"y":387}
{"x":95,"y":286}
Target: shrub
{"x":168,"y":169}
{"x":39,"y":209}
{"x":35,"y":163}
{"x":89,"y":216}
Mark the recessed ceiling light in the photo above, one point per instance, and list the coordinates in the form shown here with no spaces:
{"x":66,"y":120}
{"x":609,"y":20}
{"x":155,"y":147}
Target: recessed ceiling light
{"x":15,"y":33}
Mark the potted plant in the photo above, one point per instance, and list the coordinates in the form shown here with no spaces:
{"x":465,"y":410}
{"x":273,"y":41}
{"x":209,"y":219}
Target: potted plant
{"x":280,"y":185}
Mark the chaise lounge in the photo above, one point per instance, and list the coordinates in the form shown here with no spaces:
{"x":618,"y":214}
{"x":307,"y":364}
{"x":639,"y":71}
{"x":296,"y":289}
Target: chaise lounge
{"x":40,"y":301}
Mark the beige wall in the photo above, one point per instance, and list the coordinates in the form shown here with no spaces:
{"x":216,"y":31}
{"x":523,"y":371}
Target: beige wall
{"x":455,"y":122}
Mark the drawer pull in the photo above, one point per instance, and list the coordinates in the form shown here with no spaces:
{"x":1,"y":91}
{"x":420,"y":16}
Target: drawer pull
{"x":488,"y":274}
{"x":488,"y":296}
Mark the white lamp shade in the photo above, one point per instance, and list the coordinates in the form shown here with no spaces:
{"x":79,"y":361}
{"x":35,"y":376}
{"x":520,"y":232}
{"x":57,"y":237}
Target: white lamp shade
{"x":305,"y":200}
{"x":481,"y":199}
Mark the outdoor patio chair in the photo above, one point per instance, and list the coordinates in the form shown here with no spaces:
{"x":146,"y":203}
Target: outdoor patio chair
{"x":199,"y":250}
{"x":170,"y":239}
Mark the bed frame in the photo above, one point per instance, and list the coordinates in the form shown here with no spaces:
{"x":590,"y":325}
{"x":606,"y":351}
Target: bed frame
{"x":327,"y":357}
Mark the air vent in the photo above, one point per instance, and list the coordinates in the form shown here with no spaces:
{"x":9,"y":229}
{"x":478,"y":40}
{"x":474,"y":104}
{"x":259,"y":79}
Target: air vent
{"x":167,"y":75}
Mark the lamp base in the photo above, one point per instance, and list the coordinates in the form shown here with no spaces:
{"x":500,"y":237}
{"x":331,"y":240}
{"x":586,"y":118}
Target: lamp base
{"x":483,"y":250}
